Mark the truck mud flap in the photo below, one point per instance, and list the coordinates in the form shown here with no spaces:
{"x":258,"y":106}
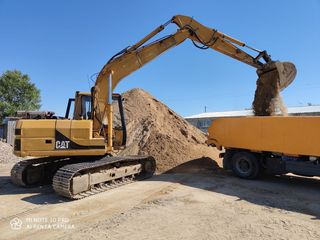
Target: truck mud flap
{"x":275,"y":166}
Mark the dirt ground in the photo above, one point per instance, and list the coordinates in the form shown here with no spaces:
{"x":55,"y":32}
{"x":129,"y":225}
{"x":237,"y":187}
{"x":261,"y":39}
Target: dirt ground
{"x":196,"y":200}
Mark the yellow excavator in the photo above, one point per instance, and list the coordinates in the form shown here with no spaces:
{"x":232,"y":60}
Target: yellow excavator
{"x":76,"y":154}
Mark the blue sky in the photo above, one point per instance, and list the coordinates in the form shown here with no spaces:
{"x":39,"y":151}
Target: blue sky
{"x":60,"y":44}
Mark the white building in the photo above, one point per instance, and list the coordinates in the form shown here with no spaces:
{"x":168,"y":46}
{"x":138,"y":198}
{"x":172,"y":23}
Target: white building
{"x":203,"y":120}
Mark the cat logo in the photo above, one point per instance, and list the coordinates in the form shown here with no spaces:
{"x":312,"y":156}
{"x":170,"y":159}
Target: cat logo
{"x":62,"y":144}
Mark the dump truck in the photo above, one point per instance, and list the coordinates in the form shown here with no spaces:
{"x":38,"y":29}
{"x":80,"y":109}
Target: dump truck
{"x":271,"y":144}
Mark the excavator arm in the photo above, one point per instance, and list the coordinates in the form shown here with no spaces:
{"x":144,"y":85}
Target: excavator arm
{"x":132,"y":58}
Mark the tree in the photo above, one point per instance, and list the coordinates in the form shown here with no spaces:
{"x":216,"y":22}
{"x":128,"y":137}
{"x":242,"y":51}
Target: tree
{"x":17,"y":93}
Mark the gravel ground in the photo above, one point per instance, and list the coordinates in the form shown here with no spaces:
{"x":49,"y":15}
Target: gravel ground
{"x":208,"y":204}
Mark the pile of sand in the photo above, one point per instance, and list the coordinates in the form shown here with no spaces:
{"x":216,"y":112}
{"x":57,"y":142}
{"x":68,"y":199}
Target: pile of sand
{"x":6,"y":154}
{"x":154,"y":129}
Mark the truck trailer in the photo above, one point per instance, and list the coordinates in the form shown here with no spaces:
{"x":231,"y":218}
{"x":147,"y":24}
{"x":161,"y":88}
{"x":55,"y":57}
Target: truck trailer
{"x":272,"y":144}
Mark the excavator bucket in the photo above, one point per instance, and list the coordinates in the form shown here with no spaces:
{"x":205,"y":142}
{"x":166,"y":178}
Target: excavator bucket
{"x":277,"y":73}
{"x":287,"y":73}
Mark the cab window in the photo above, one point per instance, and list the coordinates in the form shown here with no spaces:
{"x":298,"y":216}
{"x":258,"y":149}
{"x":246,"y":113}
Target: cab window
{"x":86,"y":107}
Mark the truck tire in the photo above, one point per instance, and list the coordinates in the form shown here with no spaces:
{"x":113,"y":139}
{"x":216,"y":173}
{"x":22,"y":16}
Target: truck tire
{"x":245,"y":165}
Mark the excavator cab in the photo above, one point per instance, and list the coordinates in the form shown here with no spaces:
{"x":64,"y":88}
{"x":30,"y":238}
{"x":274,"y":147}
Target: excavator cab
{"x":82,"y":106}
{"x":83,"y":110}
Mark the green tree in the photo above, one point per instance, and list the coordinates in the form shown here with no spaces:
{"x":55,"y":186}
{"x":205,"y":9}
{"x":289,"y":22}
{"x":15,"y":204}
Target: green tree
{"x":17,"y":93}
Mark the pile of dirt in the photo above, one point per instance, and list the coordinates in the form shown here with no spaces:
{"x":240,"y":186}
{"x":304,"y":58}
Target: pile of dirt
{"x":154,"y":129}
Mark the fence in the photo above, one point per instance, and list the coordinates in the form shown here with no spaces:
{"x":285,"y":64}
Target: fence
{"x":10,"y":132}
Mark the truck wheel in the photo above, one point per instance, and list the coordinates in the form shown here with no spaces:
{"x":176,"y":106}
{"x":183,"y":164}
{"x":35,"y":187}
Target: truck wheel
{"x":245,"y":165}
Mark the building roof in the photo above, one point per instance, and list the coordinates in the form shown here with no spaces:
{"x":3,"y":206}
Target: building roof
{"x":291,"y":110}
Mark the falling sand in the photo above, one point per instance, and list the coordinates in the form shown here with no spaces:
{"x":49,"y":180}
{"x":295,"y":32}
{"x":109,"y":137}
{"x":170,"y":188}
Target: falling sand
{"x":278,"y":105}
{"x":267,"y":99}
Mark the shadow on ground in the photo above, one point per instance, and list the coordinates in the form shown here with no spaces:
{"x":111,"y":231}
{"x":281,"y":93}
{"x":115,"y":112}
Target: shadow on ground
{"x":289,"y":193}
{"x":40,"y":194}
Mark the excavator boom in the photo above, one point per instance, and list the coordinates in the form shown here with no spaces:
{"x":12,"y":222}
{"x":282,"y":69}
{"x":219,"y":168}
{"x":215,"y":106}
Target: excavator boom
{"x":136,"y":56}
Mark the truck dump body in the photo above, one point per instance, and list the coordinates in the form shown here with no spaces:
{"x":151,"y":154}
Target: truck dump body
{"x":292,"y":135}
{"x":273,"y":144}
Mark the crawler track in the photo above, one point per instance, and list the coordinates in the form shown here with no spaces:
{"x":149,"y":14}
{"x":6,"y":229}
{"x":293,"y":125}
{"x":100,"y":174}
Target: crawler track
{"x":37,"y":171}
{"x":81,"y":177}
{"x":76,"y":181}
